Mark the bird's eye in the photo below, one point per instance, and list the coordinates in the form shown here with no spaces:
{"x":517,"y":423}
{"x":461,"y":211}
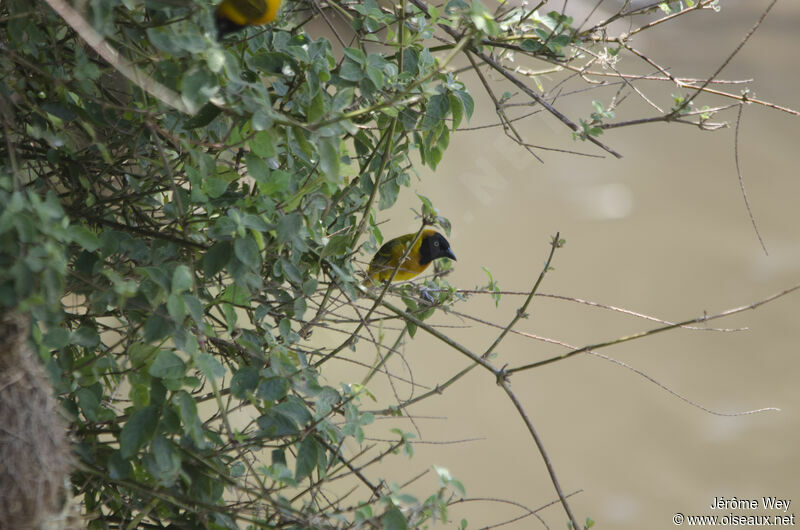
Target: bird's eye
{"x":435,"y":243}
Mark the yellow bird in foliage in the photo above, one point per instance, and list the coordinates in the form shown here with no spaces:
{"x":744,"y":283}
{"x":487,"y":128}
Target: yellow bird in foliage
{"x":234,"y":15}
{"x":430,"y":246}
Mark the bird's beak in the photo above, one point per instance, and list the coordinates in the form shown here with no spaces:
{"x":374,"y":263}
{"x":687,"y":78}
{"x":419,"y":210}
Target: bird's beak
{"x":449,"y":254}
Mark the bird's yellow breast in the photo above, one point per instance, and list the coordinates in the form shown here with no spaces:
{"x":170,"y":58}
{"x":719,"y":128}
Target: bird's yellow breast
{"x":249,"y":12}
{"x":383,"y":264}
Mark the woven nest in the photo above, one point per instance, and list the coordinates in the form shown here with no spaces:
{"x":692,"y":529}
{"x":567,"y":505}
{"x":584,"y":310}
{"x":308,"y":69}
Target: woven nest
{"x":35,"y":457}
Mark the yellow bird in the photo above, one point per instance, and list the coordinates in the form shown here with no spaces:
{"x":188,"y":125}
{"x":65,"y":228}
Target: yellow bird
{"x":430,"y":246}
{"x":234,"y":15}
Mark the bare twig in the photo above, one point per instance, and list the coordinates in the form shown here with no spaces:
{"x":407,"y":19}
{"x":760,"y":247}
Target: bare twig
{"x":688,"y":101}
{"x":504,"y":382}
{"x":521,"y":312}
{"x":704,"y":318}
{"x":741,"y":179}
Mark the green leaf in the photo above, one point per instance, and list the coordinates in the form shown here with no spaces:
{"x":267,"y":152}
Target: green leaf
{"x":138,"y":430}
{"x":217,"y":257}
{"x":456,"y":109}
{"x":186,"y":342}
{"x":210,"y":366}
{"x":388,"y":194}
{"x":278,"y":182}
{"x":139,"y":394}
{"x":277,"y":425}
{"x":187,"y":410}
{"x":57,"y":338}
{"x":436,"y":111}
{"x":238,"y":469}
{"x":176,"y":307}
{"x":467,"y":101}
{"x":156,"y":328}
{"x":291,"y":271}
{"x":197,"y":88}
{"x":434,"y":156}
{"x":316,"y":108}
{"x":163,"y":461}
{"x":307,"y":457}
{"x":278,"y":456}
{"x":167,"y":365}
{"x":246,"y":249}
{"x":351,"y":71}
{"x":256,"y":223}
{"x":158,"y":276}
{"x":261,"y":145}
{"x":375,"y":75}
{"x":531,"y":45}
{"x":336,"y":246}
{"x":262,"y":119}
{"x":215,"y":187}
{"x":163,"y":39}
{"x":230,"y":314}
{"x":393,"y":519}
{"x":342,"y":98}
{"x":89,"y":402}
{"x":215,"y":59}
{"x":363,"y":513}
{"x":244,"y":381}
{"x":182,"y":279}
{"x":273,"y":388}
{"x":293,"y":407}
{"x":235,"y":294}
{"x":289,"y":230}
{"x":356,"y":55}
{"x":329,"y":158}
{"x":84,"y":237}
{"x":256,"y":167}
{"x":119,"y":468}
{"x":204,"y":116}
{"x":195,"y":308}
{"x":85,"y":336}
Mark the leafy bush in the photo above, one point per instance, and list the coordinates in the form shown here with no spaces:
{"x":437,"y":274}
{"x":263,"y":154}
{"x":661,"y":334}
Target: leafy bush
{"x":180,"y":214}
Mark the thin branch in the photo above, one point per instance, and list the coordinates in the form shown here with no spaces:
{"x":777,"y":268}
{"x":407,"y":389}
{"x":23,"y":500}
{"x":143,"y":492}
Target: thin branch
{"x":112,"y":56}
{"x":680,"y":396}
{"x":522,"y":86}
{"x":530,"y":511}
{"x":741,"y":179}
{"x":504,"y":382}
{"x":521,"y":312}
{"x":699,"y":5}
{"x":507,"y":124}
{"x":662,"y":386}
{"x":696,"y":320}
{"x":749,"y":34}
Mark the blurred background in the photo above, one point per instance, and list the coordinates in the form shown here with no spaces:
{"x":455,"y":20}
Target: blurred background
{"x":664,"y":232}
